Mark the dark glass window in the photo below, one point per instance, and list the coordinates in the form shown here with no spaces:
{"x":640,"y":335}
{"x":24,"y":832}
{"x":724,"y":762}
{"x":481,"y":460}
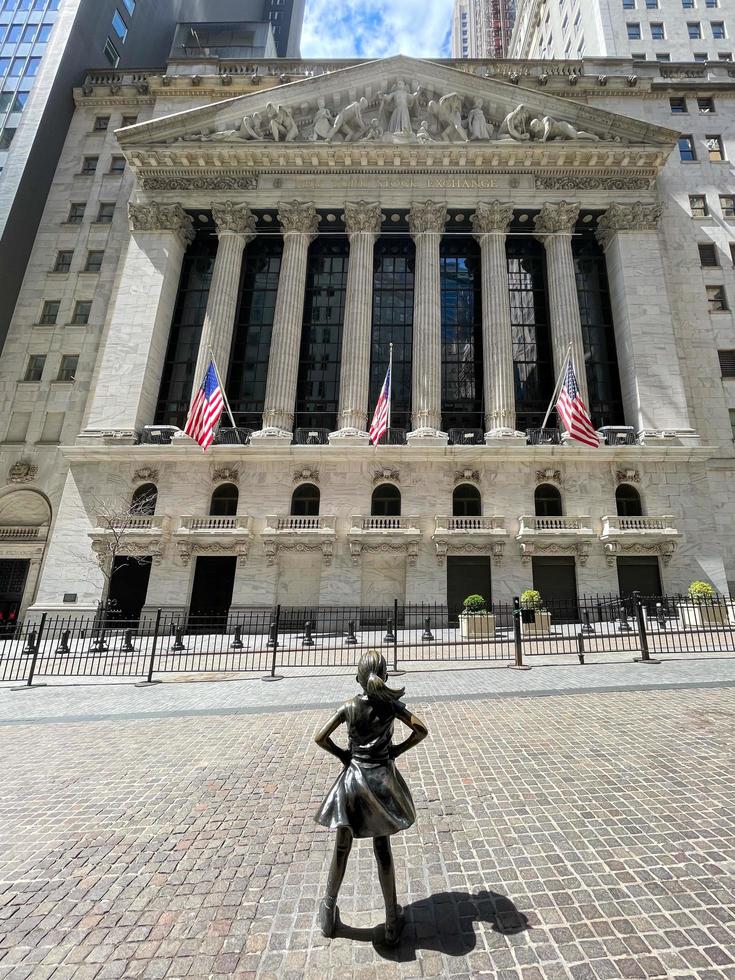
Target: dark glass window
{"x":144,"y":500}
{"x":305,"y":501}
{"x":628,"y":501}
{"x":466,"y":501}
{"x":251,"y":348}
{"x":598,"y":332}
{"x":224,"y":501}
{"x":186,"y":329}
{"x":317,"y":391}
{"x":532,"y":359}
{"x":548,"y":501}
{"x":393,"y":323}
{"x":386,"y":501}
{"x":461,"y":300}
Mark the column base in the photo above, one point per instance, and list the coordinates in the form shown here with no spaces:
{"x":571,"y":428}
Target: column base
{"x":505,"y":437}
{"x":427,"y":437}
{"x":669,"y":437}
{"x":349,"y":437}
{"x":271,"y":437}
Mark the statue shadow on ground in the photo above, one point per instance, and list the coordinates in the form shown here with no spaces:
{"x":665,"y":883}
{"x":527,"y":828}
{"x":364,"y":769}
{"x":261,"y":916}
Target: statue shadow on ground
{"x":444,"y":922}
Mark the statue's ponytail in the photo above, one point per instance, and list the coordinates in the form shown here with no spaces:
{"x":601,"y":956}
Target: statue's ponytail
{"x":371,"y":673}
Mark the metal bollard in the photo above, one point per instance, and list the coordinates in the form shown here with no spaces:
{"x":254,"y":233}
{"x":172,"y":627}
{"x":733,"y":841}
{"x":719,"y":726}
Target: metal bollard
{"x":390,"y":636}
{"x":580,"y":648}
{"x":237,"y":643}
{"x":30,"y":642}
{"x":351,"y":640}
{"x":427,"y":636}
{"x":179,"y":640}
{"x":660,"y":615}
{"x":99,"y":645}
{"x":308,"y":640}
{"x":624,"y":626}
{"x":127,"y":646}
{"x":272,"y":635}
{"x":587,"y":627}
{"x":645,"y":657}
{"x":63,"y":646}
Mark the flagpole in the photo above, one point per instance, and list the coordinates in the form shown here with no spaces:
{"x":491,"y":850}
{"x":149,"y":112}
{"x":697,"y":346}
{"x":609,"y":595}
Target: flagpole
{"x":390,"y":383}
{"x":222,"y":388}
{"x":559,"y":383}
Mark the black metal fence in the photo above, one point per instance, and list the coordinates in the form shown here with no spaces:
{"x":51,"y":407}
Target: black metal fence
{"x":266,"y":640}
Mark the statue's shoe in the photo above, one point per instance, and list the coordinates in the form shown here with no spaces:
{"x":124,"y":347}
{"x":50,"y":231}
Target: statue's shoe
{"x":394,"y":928}
{"x":328,"y":917}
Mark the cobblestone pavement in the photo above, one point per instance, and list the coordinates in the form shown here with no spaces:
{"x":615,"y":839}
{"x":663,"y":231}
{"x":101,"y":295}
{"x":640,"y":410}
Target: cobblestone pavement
{"x":183,"y":844}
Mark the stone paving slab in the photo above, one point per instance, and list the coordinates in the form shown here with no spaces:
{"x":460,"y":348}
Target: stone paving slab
{"x":185,"y":846}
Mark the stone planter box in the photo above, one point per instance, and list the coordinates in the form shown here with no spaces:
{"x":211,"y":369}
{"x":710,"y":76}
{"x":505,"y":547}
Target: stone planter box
{"x":541,"y":623}
{"x":475,"y":625}
{"x":708,"y":614}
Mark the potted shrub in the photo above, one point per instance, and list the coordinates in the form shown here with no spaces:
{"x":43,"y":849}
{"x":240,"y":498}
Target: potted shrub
{"x":704,"y":607}
{"x":476,"y":621}
{"x":534,"y":618}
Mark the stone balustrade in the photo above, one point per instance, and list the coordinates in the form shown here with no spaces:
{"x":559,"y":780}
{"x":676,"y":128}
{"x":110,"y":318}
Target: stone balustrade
{"x":23,"y":533}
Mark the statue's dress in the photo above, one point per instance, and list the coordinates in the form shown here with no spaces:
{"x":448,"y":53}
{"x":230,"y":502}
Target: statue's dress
{"x":370,"y":796}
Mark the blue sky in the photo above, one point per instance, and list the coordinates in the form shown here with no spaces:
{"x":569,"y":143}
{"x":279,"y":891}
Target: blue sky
{"x":376,"y":28}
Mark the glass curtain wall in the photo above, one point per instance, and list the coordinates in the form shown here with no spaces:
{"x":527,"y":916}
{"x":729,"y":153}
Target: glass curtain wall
{"x":461,"y":301}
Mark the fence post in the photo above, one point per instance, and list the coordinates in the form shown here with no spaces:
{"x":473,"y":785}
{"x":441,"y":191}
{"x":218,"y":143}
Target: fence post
{"x":645,"y":657}
{"x":580,"y":647}
{"x":395,"y":672}
{"x":518,"y":636}
{"x":273,"y":642}
{"x":34,"y":659}
{"x":149,"y":679}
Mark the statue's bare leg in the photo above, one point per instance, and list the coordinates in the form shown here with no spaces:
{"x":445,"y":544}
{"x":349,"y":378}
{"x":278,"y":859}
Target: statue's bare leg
{"x":387,"y":876}
{"x":328,"y":911}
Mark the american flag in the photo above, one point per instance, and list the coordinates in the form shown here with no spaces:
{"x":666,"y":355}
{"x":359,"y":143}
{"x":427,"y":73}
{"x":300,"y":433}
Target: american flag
{"x":573,"y":411}
{"x":206,"y":409}
{"x":379,"y":425}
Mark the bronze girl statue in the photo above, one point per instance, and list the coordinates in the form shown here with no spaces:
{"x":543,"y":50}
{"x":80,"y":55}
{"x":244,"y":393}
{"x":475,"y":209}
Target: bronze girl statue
{"x":369,"y":797}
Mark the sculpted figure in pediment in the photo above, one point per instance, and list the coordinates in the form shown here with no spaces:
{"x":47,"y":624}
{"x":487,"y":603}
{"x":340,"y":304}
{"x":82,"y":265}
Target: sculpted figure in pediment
{"x":546,"y":129}
{"x":517,"y":124}
{"x":446,"y":116}
{"x":281,"y":123}
{"x":477,"y":124}
{"x":399,"y":103}
{"x":323,"y":121}
{"x":374,"y":130}
{"x":349,"y":123}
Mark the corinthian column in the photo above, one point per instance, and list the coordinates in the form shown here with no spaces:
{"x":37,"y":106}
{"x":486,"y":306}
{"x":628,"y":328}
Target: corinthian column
{"x":554,"y":227}
{"x":235,"y":228}
{"x":133,"y":348}
{"x":363,"y":222}
{"x":299,"y":222}
{"x":651,"y":378}
{"x":490,"y":223}
{"x":426,"y":222}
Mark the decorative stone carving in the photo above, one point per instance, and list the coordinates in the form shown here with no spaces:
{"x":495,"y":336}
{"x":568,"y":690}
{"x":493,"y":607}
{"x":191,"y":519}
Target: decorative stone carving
{"x":306,"y":476}
{"x":281,"y":123}
{"x":517,"y":124}
{"x":427,"y":217}
{"x":466,"y":476}
{"x":198,"y":181}
{"x":445,"y":119}
{"x":396,"y":107}
{"x":146,"y":474}
{"x":226,"y":474}
{"x":477,"y":123}
{"x":363,"y":218}
{"x":545,"y":129}
{"x":386,"y":475}
{"x":188,"y":549}
{"x":297,"y":217}
{"x":548,"y":476}
{"x":628,"y":476}
{"x":444,"y":548}
{"x":582,"y":182}
{"x":235,"y":218}
{"x":271,"y":549}
{"x":628,"y":217}
{"x":22,"y":472}
{"x":555,"y":218}
{"x":492,"y":217}
{"x":408,"y":548}
{"x":665,"y":550}
{"x":162,"y":217}
{"x":530,"y":548}
{"x":350,"y":124}
{"x":323,"y":121}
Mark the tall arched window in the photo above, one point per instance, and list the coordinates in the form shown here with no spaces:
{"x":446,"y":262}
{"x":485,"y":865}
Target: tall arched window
{"x":144,"y":500}
{"x":628,"y":501}
{"x":224,"y":501}
{"x":466,"y":501}
{"x":305,"y":501}
{"x":548,"y":501}
{"x":386,"y":501}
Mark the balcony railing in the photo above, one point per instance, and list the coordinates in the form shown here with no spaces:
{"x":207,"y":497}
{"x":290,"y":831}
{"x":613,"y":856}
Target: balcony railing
{"x":22,"y":533}
{"x":544,"y":437}
{"x":135,"y":524}
{"x":555,"y":525}
{"x":384,"y":524}
{"x":311,"y":437}
{"x":613,"y":525}
{"x":215,"y":524}
{"x":466,"y":437}
{"x":471,"y":524}
{"x":277,"y":524}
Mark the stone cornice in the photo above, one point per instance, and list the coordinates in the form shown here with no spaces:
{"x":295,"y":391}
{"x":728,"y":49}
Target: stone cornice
{"x":493,"y":217}
{"x":363,"y":218}
{"x":557,"y":218}
{"x":628,"y":217}
{"x":235,"y":218}
{"x":162,"y":217}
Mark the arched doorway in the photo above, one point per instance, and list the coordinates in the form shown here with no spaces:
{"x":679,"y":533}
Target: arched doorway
{"x":25,"y":517}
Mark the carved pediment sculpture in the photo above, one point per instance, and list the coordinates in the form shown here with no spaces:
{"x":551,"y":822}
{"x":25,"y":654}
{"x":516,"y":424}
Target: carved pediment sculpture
{"x":22,"y":472}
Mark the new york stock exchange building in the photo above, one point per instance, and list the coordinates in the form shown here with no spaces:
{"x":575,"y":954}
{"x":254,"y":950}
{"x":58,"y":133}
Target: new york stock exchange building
{"x":300,"y":220}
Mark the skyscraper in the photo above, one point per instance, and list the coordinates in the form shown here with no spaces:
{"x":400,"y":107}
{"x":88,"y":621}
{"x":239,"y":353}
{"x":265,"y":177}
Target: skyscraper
{"x":482,"y":28}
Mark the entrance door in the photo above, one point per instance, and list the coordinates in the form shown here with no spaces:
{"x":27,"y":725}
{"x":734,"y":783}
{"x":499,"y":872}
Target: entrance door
{"x":13,"y":575}
{"x":639,"y":575}
{"x":128,"y":588}
{"x":466,"y":575}
{"x":211,"y":595}
{"x":556,"y":580}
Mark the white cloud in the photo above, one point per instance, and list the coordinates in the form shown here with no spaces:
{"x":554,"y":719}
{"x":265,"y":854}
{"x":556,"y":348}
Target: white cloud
{"x":376,"y":28}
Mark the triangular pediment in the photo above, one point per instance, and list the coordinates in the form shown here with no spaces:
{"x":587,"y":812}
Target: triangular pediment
{"x":401,"y":102}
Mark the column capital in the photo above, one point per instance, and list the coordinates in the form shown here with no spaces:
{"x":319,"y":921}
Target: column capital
{"x":427,"y":217}
{"x":298,"y":218}
{"x":556,"y":218}
{"x":162,"y":217}
{"x":494,"y":217}
{"x":234,"y":218}
{"x":362,"y":217}
{"x":628,"y":217}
